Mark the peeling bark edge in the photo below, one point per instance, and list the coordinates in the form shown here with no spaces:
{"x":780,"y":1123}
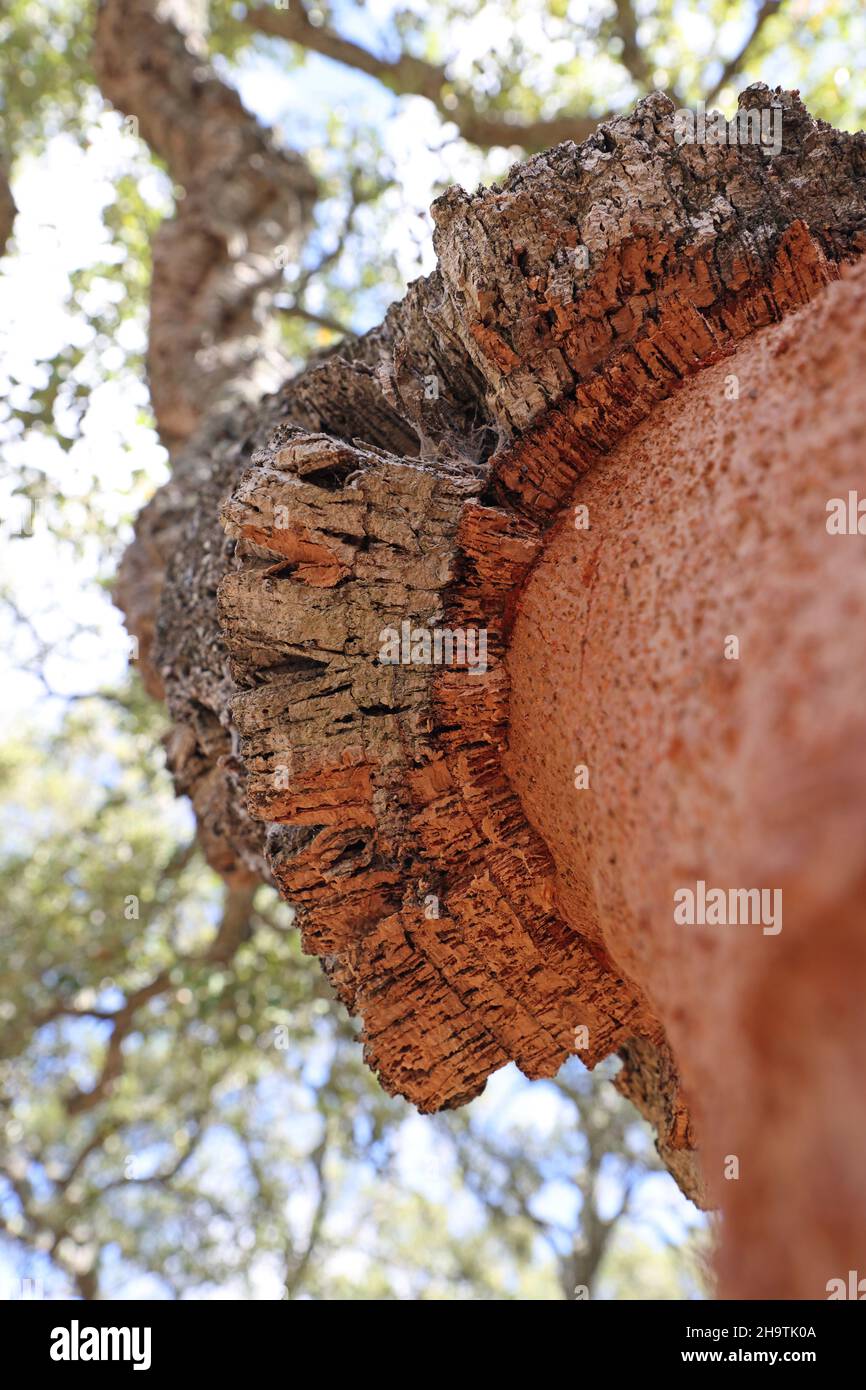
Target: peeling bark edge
{"x":382,"y":788}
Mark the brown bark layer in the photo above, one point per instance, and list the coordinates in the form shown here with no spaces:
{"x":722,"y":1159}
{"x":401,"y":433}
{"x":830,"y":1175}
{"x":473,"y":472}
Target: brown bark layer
{"x":371,"y":499}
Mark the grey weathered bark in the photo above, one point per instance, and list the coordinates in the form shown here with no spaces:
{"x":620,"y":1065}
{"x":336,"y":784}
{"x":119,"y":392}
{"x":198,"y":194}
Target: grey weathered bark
{"x":413,"y":477}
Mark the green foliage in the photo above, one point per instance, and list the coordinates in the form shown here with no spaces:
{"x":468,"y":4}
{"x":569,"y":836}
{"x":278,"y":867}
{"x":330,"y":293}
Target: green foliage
{"x":45,"y":77}
{"x":240,"y":1142}
{"x":104,"y":297}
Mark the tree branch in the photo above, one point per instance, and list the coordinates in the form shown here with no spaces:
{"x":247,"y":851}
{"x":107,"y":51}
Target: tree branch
{"x":7,"y":210}
{"x":298,"y":311}
{"x":112,"y":1065}
{"x":411,"y":76}
{"x":733,"y":65}
{"x":297,"y":308}
{"x":233,"y":929}
{"x":297,"y":1264}
{"x":235,"y":924}
{"x":214,"y":263}
{"x":632,"y":54}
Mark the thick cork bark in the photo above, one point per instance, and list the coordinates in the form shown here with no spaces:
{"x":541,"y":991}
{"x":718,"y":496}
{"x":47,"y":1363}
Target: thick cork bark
{"x":417,"y":478}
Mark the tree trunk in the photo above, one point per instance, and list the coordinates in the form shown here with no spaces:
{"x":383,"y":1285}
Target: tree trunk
{"x":466,"y":897}
{"x":244,"y":207}
{"x":7,"y":210}
{"x":239,"y":197}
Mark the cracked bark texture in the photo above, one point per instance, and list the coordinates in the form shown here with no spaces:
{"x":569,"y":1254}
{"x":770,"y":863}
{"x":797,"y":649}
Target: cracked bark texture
{"x":415,"y":475}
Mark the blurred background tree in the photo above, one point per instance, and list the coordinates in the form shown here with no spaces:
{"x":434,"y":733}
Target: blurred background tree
{"x":184,"y":1111}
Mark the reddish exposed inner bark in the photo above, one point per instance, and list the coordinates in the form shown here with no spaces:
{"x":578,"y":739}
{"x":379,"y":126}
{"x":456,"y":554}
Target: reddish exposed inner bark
{"x":709,"y":521}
